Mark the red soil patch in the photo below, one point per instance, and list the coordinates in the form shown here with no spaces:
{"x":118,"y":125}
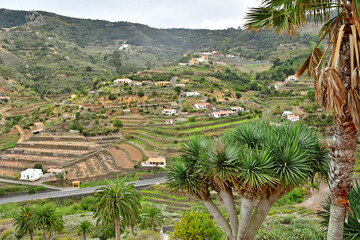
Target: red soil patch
{"x":134,"y":153}
{"x":121,"y":158}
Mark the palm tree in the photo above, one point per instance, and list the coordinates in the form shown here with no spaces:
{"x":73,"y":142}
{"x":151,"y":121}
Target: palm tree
{"x":47,"y":219}
{"x":85,"y":228}
{"x":241,"y":161}
{"x":151,"y":217}
{"x":22,"y":221}
{"x":117,"y":201}
{"x":337,"y":84}
{"x":352,"y":226}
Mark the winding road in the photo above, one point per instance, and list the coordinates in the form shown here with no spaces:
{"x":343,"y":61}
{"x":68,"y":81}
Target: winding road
{"x":76,"y":192}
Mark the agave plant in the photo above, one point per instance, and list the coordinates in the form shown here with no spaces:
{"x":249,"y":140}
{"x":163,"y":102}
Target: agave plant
{"x":337,"y":82}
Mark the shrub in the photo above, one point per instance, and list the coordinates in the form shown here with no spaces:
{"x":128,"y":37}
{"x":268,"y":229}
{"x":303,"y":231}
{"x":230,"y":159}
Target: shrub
{"x":192,"y":119}
{"x":87,"y":203}
{"x":40,"y":188}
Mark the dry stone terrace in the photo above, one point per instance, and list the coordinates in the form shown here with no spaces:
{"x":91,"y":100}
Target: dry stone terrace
{"x":82,"y":157}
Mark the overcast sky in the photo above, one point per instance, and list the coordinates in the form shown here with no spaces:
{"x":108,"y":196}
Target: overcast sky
{"x":211,"y":14}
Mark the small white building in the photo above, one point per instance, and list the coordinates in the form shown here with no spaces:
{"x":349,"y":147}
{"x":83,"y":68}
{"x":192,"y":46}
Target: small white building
{"x":192,"y":94}
{"x":55,"y":171}
{"x":182,"y":64}
{"x":124,"y":46}
{"x":202,"y":105}
{"x":31,"y":174}
{"x":223,"y":114}
{"x":237,"y":109}
{"x":286,"y":113}
{"x":122,"y":81}
{"x":137,"y":83}
{"x":293,"y":117}
{"x":180,"y":85}
{"x":292,"y":78}
{"x":154,"y":162}
{"x":126,"y":111}
{"x":169,"y":121}
{"x":168,"y":111}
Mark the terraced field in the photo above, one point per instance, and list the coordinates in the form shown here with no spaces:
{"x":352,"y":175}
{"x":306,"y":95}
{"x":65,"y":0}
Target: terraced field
{"x":154,"y":135}
{"x":81,"y":157}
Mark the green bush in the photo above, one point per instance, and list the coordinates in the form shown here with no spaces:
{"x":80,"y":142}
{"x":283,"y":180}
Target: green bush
{"x":31,"y":190}
{"x":292,"y":228}
{"x":87,"y":203}
{"x":40,"y":188}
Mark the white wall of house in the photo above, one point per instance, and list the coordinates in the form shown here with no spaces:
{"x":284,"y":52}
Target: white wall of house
{"x":31,"y":174}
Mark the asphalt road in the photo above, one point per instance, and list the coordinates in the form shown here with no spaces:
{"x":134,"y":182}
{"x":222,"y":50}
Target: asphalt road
{"x":34,"y":184}
{"x":75,"y":192}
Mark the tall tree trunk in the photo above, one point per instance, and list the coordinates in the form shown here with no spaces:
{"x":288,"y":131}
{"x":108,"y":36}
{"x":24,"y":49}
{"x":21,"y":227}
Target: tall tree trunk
{"x":84,"y":236}
{"x":117,"y":228}
{"x":219,"y":218}
{"x":343,"y":152}
{"x":228,"y":199}
{"x":261,"y":211}
{"x":31,"y":235}
{"x":44,"y":235}
{"x":247,"y":209}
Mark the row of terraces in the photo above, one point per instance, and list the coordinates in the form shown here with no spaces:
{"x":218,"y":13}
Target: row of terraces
{"x":153,"y":135}
{"x":52,"y":151}
{"x":104,"y":163}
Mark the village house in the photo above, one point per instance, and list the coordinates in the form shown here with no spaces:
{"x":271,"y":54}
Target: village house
{"x":180,"y":85}
{"x":293,"y":117}
{"x":137,"y":83}
{"x":292,"y":78}
{"x":222,"y":114}
{"x":286,"y":113}
{"x":122,"y":81}
{"x":168,"y":111}
{"x":154,"y":162}
{"x":182,"y":64}
{"x":162,"y":83}
{"x":126,"y":111}
{"x":124,"y":47}
{"x":31,"y":174}
{"x":55,"y":171}
{"x":169,"y":121}
{"x":202,"y":105}
{"x":237,"y":109}
{"x":192,"y":94}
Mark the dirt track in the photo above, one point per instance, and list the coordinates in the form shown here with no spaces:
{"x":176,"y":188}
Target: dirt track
{"x":121,"y":158}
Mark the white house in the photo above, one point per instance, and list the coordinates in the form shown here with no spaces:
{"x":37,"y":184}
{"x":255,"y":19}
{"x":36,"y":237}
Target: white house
{"x":180,"y":85}
{"x":126,"y":111}
{"x":31,"y":174}
{"x":192,"y":94}
{"x":292,"y":78}
{"x":137,"y":83}
{"x":202,"y":105}
{"x":293,"y":117}
{"x":168,"y":111}
{"x":222,"y":114}
{"x":182,"y":64}
{"x":123,"y":81}
{"x":237,"y":109}
{"x":169,"y":121}
{"x":154,"y":162}
{"x":286,"y":113}
{"x":55,"y":171}
{"x":124,"y":46}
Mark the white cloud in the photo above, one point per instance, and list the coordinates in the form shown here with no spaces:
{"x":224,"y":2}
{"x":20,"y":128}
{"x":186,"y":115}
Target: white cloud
{"x":212,"y":14}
